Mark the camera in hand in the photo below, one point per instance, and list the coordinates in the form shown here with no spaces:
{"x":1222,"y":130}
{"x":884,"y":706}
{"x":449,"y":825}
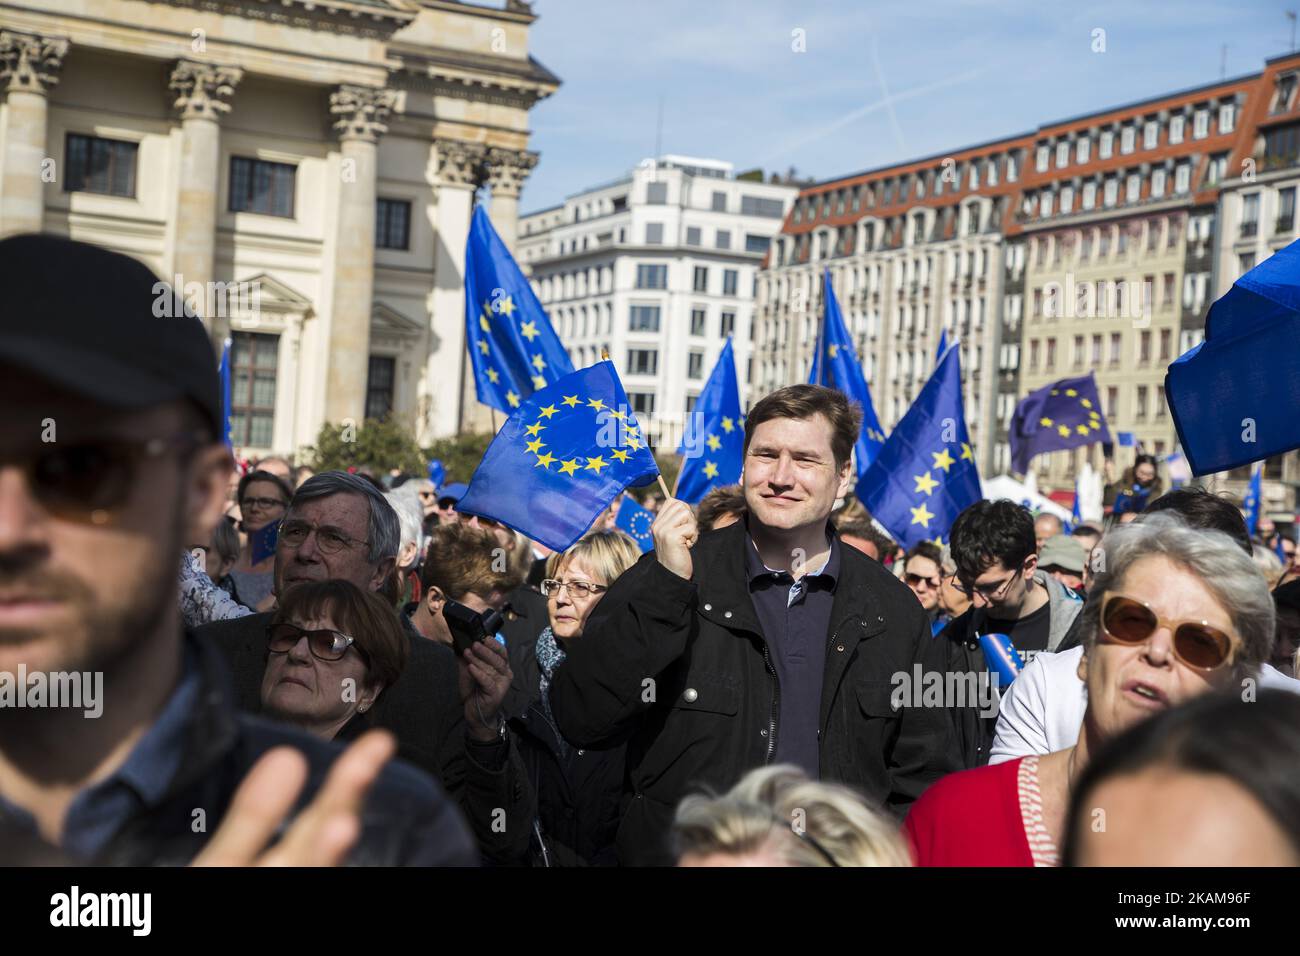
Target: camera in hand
{"x":468,"y":625}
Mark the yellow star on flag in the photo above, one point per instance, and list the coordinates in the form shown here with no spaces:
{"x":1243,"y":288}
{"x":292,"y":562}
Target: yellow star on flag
{"x":728,"y":425}
{"x":596,"y":403}
{"x":535,"y":445}
{"x":1046,"y":422}
{"x":539,"y":381}
{"x":925,"y":484}
{"x":533,"y":429}
{"x":1081,"y":429}
{"x":1064,"y":430}
{"x":921,"y":515}
{"x":547,"y":412}
{"x":539,"y":363}
{"x":595,"y":464}
{"x":1056,"y":391}
{"x":569,"y":467}
{"x":513,"y":399}
{"x":1086,"y":402}
{"x":571,"y":400}
{"x":492,"y":375}
{"x":1071,"y":392}
{"x":831,"y":350}
{"x":618,"y":415}
{"x":714,"y":442}
{"x":633,"y":444}
{"x":710,"y":470}
{"x":507,"y":307}
{"x":484,"y":324}
{"x":545,"y":460}
{"x":619,"y":454}
{"x":631,"y":432}
{"x":967,"y":453}
{"x":529,"y":330}
{"x":483,"y":346}
{"x":943,"y":460}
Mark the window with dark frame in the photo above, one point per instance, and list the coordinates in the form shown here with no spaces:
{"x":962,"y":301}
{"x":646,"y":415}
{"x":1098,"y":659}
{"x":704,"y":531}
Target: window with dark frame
{"x":379,"y":386}
{"x":262,"y":187}
{"x":96,"y":165}
{"x":393,"y":224}
{"x":254,"y":358}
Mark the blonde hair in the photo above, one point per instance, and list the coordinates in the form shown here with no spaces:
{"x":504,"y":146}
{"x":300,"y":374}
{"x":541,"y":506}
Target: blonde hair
{"x":608,"y":553}
{"x":1268,"y":563}
{"x":804,"y":822}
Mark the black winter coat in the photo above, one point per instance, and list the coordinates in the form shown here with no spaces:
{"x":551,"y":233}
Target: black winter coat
{"x":678,"y":670}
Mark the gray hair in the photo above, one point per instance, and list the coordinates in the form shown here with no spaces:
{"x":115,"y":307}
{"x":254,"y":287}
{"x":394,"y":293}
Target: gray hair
{"x":1226,"y":571}
{"x":947,"y":563}
{"x":405,"y":500}
{"x":384,"y":531}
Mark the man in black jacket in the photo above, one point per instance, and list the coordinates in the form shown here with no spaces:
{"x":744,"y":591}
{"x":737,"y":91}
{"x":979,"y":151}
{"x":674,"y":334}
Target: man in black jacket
{"x":109,"y":462}
{"x":764,"y":642}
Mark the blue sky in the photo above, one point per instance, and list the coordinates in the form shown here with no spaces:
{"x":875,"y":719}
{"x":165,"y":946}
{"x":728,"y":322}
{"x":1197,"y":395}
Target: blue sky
{"x":879,"y":81}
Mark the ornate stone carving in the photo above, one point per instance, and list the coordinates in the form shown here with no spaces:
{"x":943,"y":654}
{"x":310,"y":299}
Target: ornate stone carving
{"x":30,"y":62}
{"x":203,"y":90}
{"x":461,"y":163}
{"x":508,"y":168}
{"x":362,"y":111}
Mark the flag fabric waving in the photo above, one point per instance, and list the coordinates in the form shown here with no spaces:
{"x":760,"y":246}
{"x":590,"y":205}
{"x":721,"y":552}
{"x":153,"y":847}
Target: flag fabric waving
{"x":943,"y":346}
{"x":225,"y":392}
{"x":925,"y":475}
{"x":1065,"y":414}
{"x":561,"y":458}
{"x":512,"y":347}
{"x":1251,"y":503}
{"x":835,"y":365}
{"x":713,"y":450}
{"x":1234,"y":396}
{"x":636,"y":521}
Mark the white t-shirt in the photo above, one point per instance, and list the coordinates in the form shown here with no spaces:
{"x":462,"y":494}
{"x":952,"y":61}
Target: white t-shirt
{"x":1042,"y":711}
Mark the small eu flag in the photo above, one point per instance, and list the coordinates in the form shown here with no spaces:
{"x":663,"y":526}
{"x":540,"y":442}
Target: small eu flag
{"x":512,"y":347}
{"x":225,"y":392}
{"x":636,"y":521}
{"x":561,"y":458}
{"x":1252,"y":498}
{"x":835,"y":365}
{"x":437,"y":472}
{"x":925,"y":475}
{"x":1001,"y":657}
{"x":1065,"y":414}
{"x":713,"y":454}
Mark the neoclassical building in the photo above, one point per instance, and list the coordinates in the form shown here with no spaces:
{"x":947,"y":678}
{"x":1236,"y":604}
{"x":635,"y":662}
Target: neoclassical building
{"x":305,"y":169}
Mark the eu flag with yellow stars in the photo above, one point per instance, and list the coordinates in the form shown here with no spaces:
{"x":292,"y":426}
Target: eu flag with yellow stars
{"x":1065,"y":414}
{"x":561,"y":459}
{"x":512,"y":347}
{"x":636,"y":521}
{"x":925,"y":475}
{"x":835,"y":365}
{"x":713,"y":440}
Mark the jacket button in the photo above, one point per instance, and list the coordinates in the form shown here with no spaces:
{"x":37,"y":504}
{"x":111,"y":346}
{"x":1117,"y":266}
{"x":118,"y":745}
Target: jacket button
{"x":708,"y":607}
{"x":762,"y":733}
{"x":581,"y":752}
{"x":690,"y":695}
{"x":726,"y":614}
{"x":881,"y":620}
{"x":839,"y":647}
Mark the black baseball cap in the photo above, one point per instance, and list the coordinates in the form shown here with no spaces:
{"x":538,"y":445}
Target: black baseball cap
{"x":101,"y":324}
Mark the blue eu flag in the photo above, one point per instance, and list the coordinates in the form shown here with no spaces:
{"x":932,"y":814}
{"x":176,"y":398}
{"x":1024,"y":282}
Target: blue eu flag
{"x":1065,"y":414}
{"x":1252,"y":498}
{"x":835,"y":365}
{"x":636,"y":521}
{"x":437,"y":472}
{"x":512,"y":347}
{"x":1001,"y":657}
{"x":943,"y":346}
{"x":713,"y":453}
{"x":1234,"y":396}
{"x":561,"y":458}
{"x":225,"y":392}
{"x":925,"y":475}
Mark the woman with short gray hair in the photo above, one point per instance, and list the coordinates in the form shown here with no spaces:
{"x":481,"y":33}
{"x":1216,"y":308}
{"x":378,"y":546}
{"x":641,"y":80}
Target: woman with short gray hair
{"x":1174,"y":612}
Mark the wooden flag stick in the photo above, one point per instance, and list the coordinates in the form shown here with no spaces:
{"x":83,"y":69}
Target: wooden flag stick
{"x":664,"y":488}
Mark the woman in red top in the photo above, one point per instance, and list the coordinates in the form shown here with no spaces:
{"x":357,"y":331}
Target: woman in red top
{"x":1177,"y":613}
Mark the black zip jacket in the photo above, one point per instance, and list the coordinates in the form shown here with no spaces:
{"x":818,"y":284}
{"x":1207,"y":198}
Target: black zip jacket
{"x":678,"y":670}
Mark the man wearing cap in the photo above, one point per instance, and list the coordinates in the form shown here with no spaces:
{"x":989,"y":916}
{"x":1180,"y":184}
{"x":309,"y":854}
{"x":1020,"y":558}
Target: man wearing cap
{"x":111,"y":458}
{"x":448,"y":498}
{"x":1062,"y":557}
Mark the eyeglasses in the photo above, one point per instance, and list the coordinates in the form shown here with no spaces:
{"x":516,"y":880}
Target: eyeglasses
{"x":329,"y":540}
{"x":266,"y":504}
{"x":989,"y":592}
{"x":914,"y":579}
{"x":583,"y":589}
{"x":90,"y":481}
{"x":426,"y":495}
{"x":1196,"y":643}
{"x":324,"y":644}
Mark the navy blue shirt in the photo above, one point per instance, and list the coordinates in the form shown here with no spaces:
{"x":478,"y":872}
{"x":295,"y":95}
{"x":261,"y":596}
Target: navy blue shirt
{"x":795,"y":617}
{"x":100,"y":810}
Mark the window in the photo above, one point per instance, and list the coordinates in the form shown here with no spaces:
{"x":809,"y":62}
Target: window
{"x":393,"y":224}
{"x":1158,"y":177}
{"x":1082,"y":146}
{"x":379,"y":386}
{"x":1051,"y":354}
{"x":1281,"y":145}
{"x":1116,"y":344}
{"x":643,"y":403}
{"x":1040,"y":160}
{"x":1227,"y":117}
{"x":643,"y":318}
{"x":1105,"y":144}
{"x":1150,"y":134}
{"x":719,"y":201}
{"x":697,"y":321}
{"x":693,"y":235}
{"x":1089,"y":195}
{"x":1286,"y":210}
{"x":261,"y":187}
{"x":1245,"y":263}
{"x":700,"y":279}
{"x":695,"y":365}
{"x":1110,"y":191}
{"x":651,"y":277}
{"x":253,"y":361}
{"x":1144,"y":347}
{"x":1167,"y":293}
{"x":1182,"y":177}
{"x":755,"y":243}
{"x":642,"y":361}
{"x":1249,"y":215}
{"x":656,"y":194}
{"x":1013,"y":168}
{"x":1096,"y":351}
{"x":1103,"y":242}
{"x":1067,"y":199}
{"x":1215,"y":168}
{"x":654,"y":233}
{"x":1078,"y":351}
{"x":1176,"y":126}
{"x":724,"y":239}
{"x":1033,"y":353}
{"x":94,"y":165}
{"x":1133,"y":188}
{"x":1062,"y":153}
{"x":1127,"y":139}
{"x":770,"y":208}
{"x":1045,"y":203}
{"x":1140,"y":406}
{"x":1285,"y":87}
{"x":729,"y":279}
{"x":727,"y":325}
{"x":1166,"y":342}
{"x":1112,"y":401}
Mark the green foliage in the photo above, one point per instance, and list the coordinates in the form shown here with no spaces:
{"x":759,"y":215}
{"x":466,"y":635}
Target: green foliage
{"x":380,"y":444}
{"x":459,"y":455}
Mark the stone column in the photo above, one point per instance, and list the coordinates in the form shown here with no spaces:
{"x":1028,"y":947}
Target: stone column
{"x":362,"y":113}
{"x":29,"y":65}
{"x":203,"y":91}
{"x":460,"y":170}
{"x":507,"y":170}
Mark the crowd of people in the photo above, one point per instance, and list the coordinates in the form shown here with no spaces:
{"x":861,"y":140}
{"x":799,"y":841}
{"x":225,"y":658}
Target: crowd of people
{"x":338,"y":667}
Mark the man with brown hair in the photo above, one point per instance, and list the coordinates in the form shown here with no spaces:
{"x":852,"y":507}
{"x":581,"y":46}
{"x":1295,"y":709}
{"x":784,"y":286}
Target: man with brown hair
{"x":860,"y":533}
{"x":721,"y":508}
{"x":765,"y":642}
{"x":467,"y":565}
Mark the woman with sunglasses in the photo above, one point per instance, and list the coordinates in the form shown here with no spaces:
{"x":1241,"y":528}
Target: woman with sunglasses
{"x":263,"y":498}
{"x":331,"y":650}
{"x":1178,"y":612}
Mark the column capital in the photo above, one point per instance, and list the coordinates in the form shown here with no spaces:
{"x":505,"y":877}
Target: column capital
{"x":362,"y":111}
{"x":508,"y":168}
{"x":31,"y":62}
{"x":203,"y":90}
{"x":461,"y":163}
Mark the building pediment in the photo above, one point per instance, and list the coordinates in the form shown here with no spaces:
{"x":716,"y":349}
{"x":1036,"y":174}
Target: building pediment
{"x":269,"y":294}
{"x":391,"y":328}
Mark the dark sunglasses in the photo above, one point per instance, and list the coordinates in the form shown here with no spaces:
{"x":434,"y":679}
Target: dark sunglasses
{"x":325,"y":645}
{"x":90,"y":481}
{"x":914,"y":579}
{"x":1196,"y":643}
